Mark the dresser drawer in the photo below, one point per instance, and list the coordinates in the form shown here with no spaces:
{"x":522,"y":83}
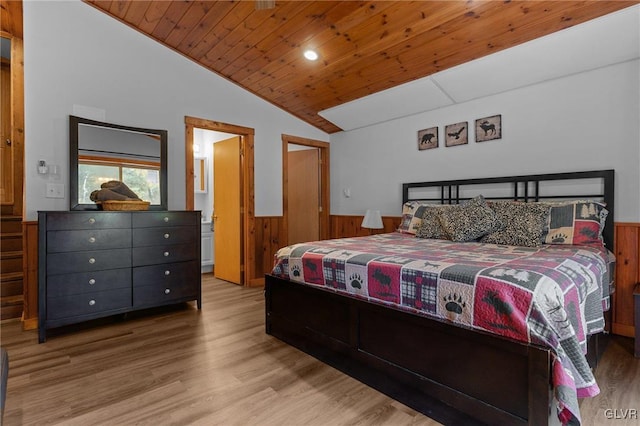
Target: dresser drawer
{"x":164,"y":254}
{"x":88,"y":303}
{"x":87,"y":220}
{"x":85,"y":261}
{"x":88,"y":239}
{"x":88,"y":282}
{"x":169,"y":274}
{"x":163,"y":236}
{"x":155,"y":219}
{"x":152,"y":285}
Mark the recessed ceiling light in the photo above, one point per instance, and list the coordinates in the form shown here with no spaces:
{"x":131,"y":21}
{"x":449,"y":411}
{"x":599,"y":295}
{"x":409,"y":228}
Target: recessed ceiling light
{"x":310,"y":55}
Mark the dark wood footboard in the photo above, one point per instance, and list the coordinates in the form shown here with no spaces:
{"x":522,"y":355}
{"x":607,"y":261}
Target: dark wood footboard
{"x":451,"y":374}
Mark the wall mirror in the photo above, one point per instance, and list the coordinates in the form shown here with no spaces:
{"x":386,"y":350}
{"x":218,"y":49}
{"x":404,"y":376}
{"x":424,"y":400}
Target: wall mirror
{"x":101,"y":152}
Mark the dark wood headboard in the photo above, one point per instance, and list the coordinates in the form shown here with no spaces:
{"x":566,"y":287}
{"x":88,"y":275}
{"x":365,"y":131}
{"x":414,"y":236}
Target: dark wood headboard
{"x":526,"y":188}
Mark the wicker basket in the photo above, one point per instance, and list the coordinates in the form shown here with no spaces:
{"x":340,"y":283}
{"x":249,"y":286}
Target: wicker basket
{"x":113,"y":205}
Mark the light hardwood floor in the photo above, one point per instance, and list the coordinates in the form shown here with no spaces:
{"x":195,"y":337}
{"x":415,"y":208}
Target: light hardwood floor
{"x":218,"y":367}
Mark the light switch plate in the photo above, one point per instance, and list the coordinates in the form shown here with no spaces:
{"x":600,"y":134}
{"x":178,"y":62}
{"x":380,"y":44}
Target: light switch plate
{"x":55,"y":190}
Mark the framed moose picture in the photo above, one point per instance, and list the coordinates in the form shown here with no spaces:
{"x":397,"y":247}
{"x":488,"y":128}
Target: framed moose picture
{"x":489,"y":128}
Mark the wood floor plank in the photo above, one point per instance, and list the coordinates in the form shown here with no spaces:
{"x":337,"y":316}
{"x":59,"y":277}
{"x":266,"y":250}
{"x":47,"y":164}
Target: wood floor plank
{"x":179,"y":365}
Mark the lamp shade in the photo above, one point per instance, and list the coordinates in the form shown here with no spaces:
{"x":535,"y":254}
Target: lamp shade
{"x":372,"y":220}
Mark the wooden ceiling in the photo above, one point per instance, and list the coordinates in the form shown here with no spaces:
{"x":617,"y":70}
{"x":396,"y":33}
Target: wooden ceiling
{"x":364,"y":46}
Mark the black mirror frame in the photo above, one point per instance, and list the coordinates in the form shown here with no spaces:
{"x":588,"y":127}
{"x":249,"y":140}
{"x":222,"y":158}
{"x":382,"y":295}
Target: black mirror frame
{"x":73,"y":161}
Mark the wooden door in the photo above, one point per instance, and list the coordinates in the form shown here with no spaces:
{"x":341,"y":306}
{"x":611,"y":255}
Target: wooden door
{"x":227,"y":216}
{"x":6,"y":144}
{"x":303,"y":195}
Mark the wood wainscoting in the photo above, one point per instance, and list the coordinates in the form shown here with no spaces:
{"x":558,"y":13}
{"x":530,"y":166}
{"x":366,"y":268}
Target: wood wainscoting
{"x":627,"y":251}
{"x":269,"y":238}
{"x":343,"y":226}
{"x":30,"y":274}
{"x":270,"y":235}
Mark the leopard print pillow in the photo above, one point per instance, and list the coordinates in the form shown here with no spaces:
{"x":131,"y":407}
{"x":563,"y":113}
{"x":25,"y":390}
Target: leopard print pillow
{"x":470,"y":220}
{"x":430,"y":226}
{"x":524,"y":223}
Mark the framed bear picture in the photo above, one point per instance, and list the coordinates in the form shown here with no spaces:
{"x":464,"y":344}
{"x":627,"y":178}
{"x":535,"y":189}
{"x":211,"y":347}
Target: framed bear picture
{"x":428,"y":138}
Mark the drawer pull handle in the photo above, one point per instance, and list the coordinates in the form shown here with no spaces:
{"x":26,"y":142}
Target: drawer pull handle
{"x":166,"y":236}
{"x":167,"y":290}
{"x":166,"y":254}
{"x":167,"y":272}
{"x":92,"y":302}
{"x":92,"y":281}
{"x":92,"y":260}
{"x":92,"y":239}
{"x":166,"y":219}
{"x":92,"y":220}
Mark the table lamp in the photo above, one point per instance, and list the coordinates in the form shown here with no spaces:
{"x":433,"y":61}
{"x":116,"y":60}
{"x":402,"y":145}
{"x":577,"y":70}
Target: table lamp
{"x":372,"y":220}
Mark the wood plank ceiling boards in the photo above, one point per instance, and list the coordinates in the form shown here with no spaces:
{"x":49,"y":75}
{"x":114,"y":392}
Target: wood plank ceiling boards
{"x":364,"y":46}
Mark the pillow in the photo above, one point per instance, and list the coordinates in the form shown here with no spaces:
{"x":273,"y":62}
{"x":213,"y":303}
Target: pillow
{"x":524,"y":223}
{"x":576,"y":222}
{"x":430,"y":226}
{"x":412,"y":212}
{"x":469,"y":221}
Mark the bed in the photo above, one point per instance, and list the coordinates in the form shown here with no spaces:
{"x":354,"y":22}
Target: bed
{"x":474,"y":330}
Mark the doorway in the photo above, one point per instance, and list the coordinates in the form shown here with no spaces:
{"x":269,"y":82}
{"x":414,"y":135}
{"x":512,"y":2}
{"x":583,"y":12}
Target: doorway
{"x":245,"y":185}
{"x":305,"y":172}
{"x":217,"y":183}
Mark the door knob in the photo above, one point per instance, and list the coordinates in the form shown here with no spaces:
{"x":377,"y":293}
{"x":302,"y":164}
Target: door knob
{"x":8,"y":142}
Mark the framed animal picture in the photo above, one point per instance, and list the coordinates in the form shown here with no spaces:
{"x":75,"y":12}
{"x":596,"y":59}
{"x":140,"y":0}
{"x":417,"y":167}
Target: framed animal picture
{"x":456,"y":134}
{"x":428,"y":138}
{"x":489,"y":128}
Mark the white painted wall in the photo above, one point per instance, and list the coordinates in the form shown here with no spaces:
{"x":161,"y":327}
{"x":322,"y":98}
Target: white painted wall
{"x":76,"y":55}
{"x":586,"y":121}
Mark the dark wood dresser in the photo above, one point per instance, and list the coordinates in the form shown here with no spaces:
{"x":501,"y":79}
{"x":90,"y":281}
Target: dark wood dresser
{"x":96,"y":264}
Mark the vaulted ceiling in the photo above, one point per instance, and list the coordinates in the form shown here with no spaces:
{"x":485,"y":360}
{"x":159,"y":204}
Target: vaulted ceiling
{"x":364,"y":46}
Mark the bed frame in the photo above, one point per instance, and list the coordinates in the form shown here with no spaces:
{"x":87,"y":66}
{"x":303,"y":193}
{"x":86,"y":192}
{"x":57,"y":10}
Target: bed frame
{"x":451,"y":374}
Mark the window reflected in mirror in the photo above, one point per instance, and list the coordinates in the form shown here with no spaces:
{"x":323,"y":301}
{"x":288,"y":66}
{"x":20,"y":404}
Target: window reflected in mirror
{"x":144,"y":181}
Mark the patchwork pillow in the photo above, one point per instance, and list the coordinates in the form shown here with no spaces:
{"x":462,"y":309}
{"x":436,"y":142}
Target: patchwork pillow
{"x":576,"y":222}
{"x":430,"y":226}
{"x":469,"y":221}
{"x":524,"y":223}
{"x":412,"y":212}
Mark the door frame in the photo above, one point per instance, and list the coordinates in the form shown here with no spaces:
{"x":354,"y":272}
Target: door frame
{"x":323,"y":216}
{"x":247,"y":189}
{"x":15,"y":34}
